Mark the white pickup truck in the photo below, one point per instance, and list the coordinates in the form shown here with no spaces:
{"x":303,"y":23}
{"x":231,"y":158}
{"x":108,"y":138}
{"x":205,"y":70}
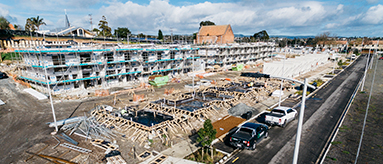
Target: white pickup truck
{"x":281,"y":116}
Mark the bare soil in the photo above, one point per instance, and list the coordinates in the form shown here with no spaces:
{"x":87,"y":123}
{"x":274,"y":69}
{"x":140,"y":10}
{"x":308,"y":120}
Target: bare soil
{"x":345,"y":146}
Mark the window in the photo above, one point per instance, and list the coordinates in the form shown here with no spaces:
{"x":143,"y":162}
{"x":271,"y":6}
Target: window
{"x":289,"y":110}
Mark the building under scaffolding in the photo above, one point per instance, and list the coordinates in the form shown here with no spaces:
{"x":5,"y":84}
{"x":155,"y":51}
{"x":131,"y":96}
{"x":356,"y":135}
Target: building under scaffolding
{"x":76,"y":68}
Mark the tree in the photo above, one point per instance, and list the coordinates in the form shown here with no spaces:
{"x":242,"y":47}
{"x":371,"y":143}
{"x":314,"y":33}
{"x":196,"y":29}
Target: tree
{"x":4,"y":23}
{"x":160,"y":36}
{"x":37,"y":22}
{"x":206,"y":135}
{"x":195,"y":35}
{"x":105,"y":30}
{"x":122,"y":32}
{"x":17,"y":27}
{"x":322,"y":38}
{"x":29,"y":26}
{"x":206,"y":23}
{"x":261,"y":35}
{"x":141,"y":35}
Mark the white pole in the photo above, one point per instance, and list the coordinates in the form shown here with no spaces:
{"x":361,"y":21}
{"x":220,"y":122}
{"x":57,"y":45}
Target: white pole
{"x":50,"y":97}
{"x":372,"y":57}
{"x":300,"y":122}
{"x":193,"y":73}
{"x":365,"y":70}
{"x":283,"y":67}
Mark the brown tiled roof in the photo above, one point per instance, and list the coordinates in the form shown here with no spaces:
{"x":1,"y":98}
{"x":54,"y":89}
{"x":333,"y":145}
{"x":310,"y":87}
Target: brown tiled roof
{"x":213,"y":30}
{"x":11,"y":27}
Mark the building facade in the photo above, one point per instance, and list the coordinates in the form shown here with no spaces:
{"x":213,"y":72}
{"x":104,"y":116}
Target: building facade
{"x":75,"y":69}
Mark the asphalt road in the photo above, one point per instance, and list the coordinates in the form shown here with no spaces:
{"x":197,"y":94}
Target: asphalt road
{"x":322,"y":112}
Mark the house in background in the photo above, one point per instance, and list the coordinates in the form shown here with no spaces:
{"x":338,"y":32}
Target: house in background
{"x":76,"y":31}
{"x":220,"y":34}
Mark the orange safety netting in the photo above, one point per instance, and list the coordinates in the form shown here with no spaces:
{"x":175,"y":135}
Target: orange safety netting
{"x":138,"y":97}
{"x":200,"y":76}
{"x":170,"y":91}
{"x":14,"y":77}
{"x":102,"y":92}
{"x":175,"y":80}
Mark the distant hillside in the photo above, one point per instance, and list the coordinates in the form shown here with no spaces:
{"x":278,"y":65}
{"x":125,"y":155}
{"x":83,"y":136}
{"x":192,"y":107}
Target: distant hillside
{"x":291,"y":37}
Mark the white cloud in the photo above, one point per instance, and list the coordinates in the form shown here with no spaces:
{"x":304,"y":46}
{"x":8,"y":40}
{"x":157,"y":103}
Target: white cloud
{"x":289,"y":17}
{"x":374,"y":15}
{"x":245,"y":18}
{"x":3,"y":11}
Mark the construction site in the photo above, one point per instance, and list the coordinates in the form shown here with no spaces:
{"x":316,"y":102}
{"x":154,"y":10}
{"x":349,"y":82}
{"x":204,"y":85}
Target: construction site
{"x":132,"y":103}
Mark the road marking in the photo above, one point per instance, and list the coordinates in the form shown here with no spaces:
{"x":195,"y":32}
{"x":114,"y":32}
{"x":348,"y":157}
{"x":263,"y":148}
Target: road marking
{"x":234,"y":160}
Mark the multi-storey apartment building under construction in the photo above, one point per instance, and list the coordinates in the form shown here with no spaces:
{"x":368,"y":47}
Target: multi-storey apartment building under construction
{"x":79,"y":68}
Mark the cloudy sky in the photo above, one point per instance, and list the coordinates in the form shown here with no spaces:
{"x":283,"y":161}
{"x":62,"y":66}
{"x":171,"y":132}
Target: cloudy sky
{"x":277,"y":17}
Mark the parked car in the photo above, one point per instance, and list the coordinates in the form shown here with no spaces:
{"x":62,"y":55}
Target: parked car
{"x":281,"y":116}
{"x":353,"y":57}
{"x":249,"y":135}
{"x":2,"y":75}
{"x":381,"y":58}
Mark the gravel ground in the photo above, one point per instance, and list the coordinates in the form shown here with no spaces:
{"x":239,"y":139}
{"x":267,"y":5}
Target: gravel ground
{"x":345,"y":146}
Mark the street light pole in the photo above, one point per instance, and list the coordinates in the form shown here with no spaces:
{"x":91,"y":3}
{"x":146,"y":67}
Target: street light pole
{"x":50,"y":98}
{"x":283,"y":67}
{"x":365,"y":70}
{"x":300,"y":122}
{"x":372,"y":57}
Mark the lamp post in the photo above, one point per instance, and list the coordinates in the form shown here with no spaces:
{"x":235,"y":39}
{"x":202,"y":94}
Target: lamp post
{"x":300,"y":122}
{"x":50,"y":98}
{"x":365,"y":70}
{"x":283,"y":67}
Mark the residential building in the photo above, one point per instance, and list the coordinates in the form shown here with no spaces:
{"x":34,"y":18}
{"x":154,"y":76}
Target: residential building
{"x":220,"y":34}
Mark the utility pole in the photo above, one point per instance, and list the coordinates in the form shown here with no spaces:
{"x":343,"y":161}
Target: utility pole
{"x":127,"y":37}
{"x":91,"y":25}
{"x":300,"y":122}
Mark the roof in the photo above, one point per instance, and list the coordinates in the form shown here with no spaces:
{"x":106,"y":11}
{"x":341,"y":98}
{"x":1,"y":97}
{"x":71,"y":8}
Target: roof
{"x":11,"y":27}
{"x":282,"y":108}
{"x":251,"y":125}
{"x":226,"y":124}
{"x":213,"y":30}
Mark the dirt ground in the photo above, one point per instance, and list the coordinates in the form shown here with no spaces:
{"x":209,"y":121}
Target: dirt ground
{"x":345,"y":146}
{"x":23,"y":119}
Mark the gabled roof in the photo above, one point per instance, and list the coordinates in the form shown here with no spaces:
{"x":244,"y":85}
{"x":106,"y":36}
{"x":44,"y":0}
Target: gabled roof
{"x":213,"y":30}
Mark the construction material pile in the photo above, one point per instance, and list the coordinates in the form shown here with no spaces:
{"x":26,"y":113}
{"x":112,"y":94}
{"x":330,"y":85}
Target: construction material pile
{"x":90,"y":128}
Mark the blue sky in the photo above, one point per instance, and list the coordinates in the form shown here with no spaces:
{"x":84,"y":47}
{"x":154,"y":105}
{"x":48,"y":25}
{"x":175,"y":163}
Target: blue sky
{"x":277,"y":17}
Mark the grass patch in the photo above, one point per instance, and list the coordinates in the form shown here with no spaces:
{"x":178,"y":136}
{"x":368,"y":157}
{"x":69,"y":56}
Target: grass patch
{"x":336,"y":142}
{"x":344,"y":128}
{"x":334,"y":159}
{"x":10,"y":56}
{"x":300,"y":92}
{"x":345,"y":152}
{"x":318,"y":81}
{"x":197,"y":156}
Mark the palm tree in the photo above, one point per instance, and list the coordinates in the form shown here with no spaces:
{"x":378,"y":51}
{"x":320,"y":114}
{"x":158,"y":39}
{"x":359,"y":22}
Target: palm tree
{"x":38,"y":22}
